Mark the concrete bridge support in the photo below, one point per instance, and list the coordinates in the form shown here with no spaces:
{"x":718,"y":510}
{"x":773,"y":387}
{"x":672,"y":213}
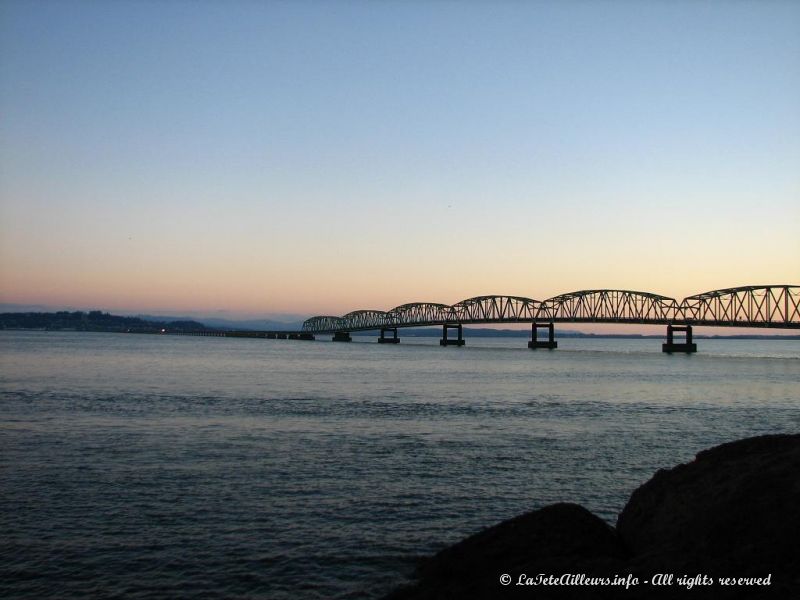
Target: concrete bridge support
{"x":671,"y":346}
{"x":535,"y":343}
{"x":388,"y":340}
{"x":342,"y":336}
{"x":445,"y":341}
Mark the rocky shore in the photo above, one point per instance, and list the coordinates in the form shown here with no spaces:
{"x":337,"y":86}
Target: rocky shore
{"x":726,"y":525}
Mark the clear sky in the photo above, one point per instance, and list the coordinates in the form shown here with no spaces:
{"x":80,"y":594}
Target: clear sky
{"x":320,"y":157}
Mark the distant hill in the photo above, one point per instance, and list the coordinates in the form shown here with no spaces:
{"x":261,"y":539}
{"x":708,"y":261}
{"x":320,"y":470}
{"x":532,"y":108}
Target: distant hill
{"x":94,"y":320}
{"x":234,"y":324}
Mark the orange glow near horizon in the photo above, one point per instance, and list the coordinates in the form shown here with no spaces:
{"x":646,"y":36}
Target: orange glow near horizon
{"x":192,"y":296}
{"x":235,"y":292}
{"x":254,"y":276}
{"x":285,"y":275}
{"x":322,"y":194}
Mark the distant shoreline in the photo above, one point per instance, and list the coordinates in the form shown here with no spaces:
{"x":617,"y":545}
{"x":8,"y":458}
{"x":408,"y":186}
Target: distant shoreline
{"x":433,"y":334}
{"x":98,"y":321}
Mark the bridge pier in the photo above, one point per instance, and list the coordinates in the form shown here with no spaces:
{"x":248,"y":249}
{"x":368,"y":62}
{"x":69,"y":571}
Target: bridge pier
{"x":342,"y":336}
{"x":671,"y":346}
{"x":307,"y":336}
{"x":388,"y":340}
{"x":451,"y":342}
{"x":551,"y":342}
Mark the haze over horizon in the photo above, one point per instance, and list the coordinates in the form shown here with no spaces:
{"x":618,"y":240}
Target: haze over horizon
{"x":317,"y":158}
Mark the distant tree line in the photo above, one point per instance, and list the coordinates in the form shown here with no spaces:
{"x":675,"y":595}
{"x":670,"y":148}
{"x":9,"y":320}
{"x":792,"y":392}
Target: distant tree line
{"x":94,"y":320}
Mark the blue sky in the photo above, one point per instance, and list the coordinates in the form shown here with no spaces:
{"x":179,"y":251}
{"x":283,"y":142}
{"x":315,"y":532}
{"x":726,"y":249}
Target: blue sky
{"x":326,"y":156}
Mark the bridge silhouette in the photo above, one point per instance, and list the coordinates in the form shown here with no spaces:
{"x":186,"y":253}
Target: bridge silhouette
{"x":768,"y":306}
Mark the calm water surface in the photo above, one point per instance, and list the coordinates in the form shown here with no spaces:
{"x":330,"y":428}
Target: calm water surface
{"x":158,"y":466}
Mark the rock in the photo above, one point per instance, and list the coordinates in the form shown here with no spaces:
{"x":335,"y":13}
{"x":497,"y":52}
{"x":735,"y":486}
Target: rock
{"x":732,"y":512}
{"x":557,"y":537}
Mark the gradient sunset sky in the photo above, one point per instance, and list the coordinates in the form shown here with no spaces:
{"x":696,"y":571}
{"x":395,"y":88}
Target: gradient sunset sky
{"x":269,"y":158}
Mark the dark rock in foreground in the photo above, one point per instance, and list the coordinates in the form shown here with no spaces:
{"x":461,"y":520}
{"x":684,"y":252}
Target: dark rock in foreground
{"x":734,"y":509}
{"x":732,"y":512}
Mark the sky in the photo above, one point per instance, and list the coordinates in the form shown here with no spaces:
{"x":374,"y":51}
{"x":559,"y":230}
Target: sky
{"x":300,"y":158}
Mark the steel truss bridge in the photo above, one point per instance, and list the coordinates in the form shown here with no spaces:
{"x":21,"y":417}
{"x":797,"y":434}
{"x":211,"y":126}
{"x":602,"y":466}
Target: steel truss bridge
{"x":771,"y":306}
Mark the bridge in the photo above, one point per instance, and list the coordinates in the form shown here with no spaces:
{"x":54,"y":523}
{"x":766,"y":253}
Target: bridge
{"x":768,"y":306}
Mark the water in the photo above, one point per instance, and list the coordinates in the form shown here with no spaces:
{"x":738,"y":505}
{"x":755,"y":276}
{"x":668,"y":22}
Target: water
{"x":160,"y":466}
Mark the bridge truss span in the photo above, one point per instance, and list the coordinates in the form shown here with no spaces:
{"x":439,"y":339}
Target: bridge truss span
{"x":420,"y":314}
{"x":775,"y":306}
{"x":324,"y":323}
{"x":749,"y":306}
{"x":610,"y":306}
{"x":366,"y":319}
{"x":496,"y":309}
